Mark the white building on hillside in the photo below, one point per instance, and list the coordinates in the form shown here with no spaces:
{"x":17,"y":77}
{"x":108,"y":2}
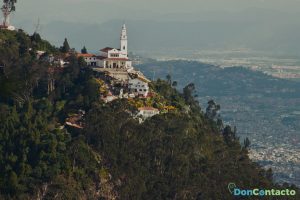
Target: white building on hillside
{"x":139,"y":86}
{"x":116,"y":64}
{"x":90,"y":59}
{"x":113,"y":58}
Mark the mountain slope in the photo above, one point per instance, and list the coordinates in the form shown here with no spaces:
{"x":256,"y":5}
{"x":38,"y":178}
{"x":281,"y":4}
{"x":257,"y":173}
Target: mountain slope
{"x":181,"y":154}
{"x":262,"y":107}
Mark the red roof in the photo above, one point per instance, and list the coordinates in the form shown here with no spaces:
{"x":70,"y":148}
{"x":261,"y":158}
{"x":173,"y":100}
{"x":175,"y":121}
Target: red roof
{"x":85,"y":55}
{"x":106,"y":49}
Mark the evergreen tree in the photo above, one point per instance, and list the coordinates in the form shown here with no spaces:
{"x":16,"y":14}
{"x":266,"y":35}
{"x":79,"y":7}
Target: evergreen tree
{"x":66,"y":47}
{"x":174,"y":84}
{"x":212,"y":110}
{"x":247,"y":143}
{"x":36,"y":37}
{"x":169,"y":79}
{"x":84,"y":50}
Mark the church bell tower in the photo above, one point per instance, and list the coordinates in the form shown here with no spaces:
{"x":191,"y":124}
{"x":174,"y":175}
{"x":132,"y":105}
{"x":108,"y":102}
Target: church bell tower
{"x":124,"y":41}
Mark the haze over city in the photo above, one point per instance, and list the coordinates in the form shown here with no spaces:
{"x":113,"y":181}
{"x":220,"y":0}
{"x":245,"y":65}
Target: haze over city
{"x":266,"y":25}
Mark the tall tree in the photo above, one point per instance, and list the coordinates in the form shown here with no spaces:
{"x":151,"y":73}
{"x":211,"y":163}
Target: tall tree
{"x":66,"y":47}
{"x":174,"y":84}
{"x":84,"y":50}
{"x":188,"y":92}
{"x":169,"y":79}
{"x":212,"y":110}
{"x":247,"y":143}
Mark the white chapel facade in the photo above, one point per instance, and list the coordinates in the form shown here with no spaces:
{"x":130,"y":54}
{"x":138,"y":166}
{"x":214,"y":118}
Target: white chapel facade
{"x":116,"y":58}
{"x":115,"y":63}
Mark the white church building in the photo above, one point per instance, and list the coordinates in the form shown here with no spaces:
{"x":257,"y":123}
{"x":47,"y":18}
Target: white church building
{"x":116,"y":58}
{"x":111,"y":58}
{"x":115,"y":63}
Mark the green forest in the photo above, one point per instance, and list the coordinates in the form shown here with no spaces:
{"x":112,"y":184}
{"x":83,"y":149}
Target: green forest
{"x":185,"y":154}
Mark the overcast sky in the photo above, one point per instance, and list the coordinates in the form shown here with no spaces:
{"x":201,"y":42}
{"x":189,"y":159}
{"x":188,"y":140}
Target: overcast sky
{"x":254,"y":24}
{"x":98,"y":11}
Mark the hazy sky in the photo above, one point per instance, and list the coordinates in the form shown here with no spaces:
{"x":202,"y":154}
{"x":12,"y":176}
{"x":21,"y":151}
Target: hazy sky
{"x":98,"y":11}
{"x":255,"y":24}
